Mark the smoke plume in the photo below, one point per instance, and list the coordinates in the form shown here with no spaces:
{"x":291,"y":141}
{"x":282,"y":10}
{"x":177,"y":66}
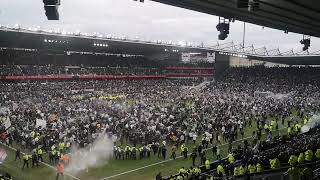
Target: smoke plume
{"x":314,"y":121}
{"x":95,"y":155}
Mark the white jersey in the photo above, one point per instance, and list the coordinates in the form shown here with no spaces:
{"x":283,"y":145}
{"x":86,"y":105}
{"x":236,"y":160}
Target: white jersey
{"x":194,"y":137}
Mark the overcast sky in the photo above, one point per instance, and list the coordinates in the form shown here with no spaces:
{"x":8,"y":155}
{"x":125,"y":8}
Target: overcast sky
{"x":148,"y":21}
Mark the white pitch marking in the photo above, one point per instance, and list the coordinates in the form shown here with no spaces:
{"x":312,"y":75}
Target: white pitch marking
{"x":126,"y":172}
{"x":40,"y":162}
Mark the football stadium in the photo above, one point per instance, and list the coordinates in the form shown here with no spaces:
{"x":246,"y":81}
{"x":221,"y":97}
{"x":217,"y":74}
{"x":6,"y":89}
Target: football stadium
{"x":237,"y":99}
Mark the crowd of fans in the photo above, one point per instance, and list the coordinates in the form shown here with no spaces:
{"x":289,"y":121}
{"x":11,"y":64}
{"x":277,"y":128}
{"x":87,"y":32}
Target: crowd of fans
{"x":150,"y":115}
{"x":49,"y":70}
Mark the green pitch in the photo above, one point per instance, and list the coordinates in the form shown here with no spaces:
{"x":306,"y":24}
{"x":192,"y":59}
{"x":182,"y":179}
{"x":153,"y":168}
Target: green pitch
{"x":145,"y":169}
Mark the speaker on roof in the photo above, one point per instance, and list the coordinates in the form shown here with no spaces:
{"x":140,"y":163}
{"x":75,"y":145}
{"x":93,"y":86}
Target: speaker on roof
{"x":242,"y":3}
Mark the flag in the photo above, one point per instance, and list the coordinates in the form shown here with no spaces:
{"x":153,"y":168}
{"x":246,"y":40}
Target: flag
{"x":7,"y":123}
{"x":3,"y":155}
{"x":41,"y":123}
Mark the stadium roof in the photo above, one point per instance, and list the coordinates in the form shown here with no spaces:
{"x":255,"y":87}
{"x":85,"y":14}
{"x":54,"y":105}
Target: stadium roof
{"x":43,"y":41}
{"x":293,"y":15}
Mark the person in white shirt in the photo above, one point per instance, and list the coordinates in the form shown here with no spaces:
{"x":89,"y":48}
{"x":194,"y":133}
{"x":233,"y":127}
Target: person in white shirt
{"x":194,"y":138}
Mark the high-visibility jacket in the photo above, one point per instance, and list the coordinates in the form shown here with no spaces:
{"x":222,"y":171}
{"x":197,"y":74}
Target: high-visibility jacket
{"x":39,"y":152}
{"x":182,"y":147}
{"x":301,"y":158}
{"x":274,"y":163}
{"x":317,"y":154}
{"x":294,"y":173}
{"x":182,"y":171}
{"x":297,"y":127}
{"x":305,"y":120}
{"x":53,"y":147}
{"x":61,"y":146}
{"x":259,"y":168}
{"x":33,"y":134}
{"x":309,"y":155}
{"x":230,"y":158}
{"x":25,"y":157}
{"x":207,"y":164}
{"x":293,"y":160}
{"x":236,"y":171}
{"x":196,"y":171}
{"x":58,"y":153}
{"x":252,"y":169}
{"x":148,"y":148}
{"x":220,"y":169}
{"x":242,"y":170}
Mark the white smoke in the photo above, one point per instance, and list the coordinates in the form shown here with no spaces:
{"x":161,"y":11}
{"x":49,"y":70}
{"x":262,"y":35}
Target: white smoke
{"x":314,"y":121}
{"x":95,"y":155}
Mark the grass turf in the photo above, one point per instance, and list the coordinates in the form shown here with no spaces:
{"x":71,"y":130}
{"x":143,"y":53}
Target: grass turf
{"x":114,"y":167}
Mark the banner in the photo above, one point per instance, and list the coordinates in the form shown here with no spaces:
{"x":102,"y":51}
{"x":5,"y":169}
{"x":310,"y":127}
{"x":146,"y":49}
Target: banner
{"x":41,"y":123}
{"x":7,"y":123}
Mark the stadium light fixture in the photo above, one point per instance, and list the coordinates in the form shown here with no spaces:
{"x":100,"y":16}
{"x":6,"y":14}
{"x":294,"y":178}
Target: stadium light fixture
{"x":305,"y":42}
{"x":51,"y":9}
{"x":223,"y":27}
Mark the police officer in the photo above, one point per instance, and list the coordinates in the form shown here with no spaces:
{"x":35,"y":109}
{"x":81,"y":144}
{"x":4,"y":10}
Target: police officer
{"x":309,"y":155}
{"x":127,"y":149}
{"x":148,"y":150}
{"x":25,"y":158}
{"x":220,"y":170}
{"x":252,"y":168}
{"x":207,"y":164}
{"x":301,"y":158}
{"x":236,"y":171}
{"x":185,"y":152}
{"x":293,"y":160}
{"x":182,"y":171}
{"x":259,"y":168}
{"x":317,"y":154}
{"x":39,"y":153}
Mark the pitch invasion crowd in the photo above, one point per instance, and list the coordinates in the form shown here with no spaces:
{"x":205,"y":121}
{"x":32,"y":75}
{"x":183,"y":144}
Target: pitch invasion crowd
{"x":154,"y":115}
